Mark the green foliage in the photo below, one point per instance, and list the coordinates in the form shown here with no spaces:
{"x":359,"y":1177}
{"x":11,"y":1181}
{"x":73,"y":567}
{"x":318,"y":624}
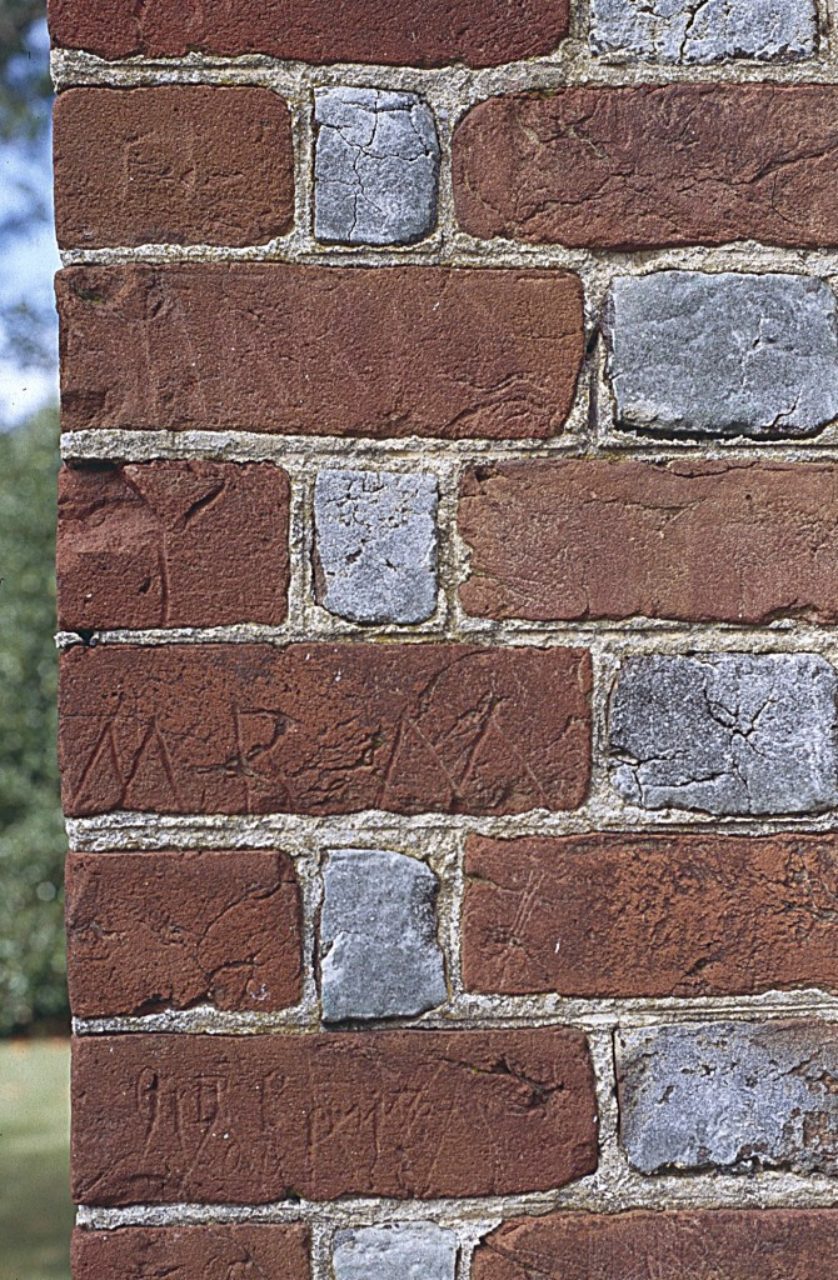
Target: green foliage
{"x":31,"y":831}
{"x":24,"y":76}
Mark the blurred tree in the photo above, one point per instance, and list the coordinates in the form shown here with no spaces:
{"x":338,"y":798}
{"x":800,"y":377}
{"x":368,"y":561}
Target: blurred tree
{"x":24,"y":73}
{"x":32,"y":840}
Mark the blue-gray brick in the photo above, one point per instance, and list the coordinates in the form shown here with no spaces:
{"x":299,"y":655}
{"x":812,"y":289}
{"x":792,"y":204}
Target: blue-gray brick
{"x":376,"y":545}
{"x":376,"y":167}
{"x":704,"y":30}
{"x":415,"y":1251}
{"x":730,"y":1096}
{"x":379,"y":954}
{"x":696,"y":354}
{"x":729,"y":734}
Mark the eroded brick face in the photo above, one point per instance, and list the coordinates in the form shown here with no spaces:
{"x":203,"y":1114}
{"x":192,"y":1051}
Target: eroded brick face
{"x":168,"y":1119}
{"x":163,"y":544}
{"x":192,"y":1253}
{"x":154,"y":931}
{"x":454,"y":354}
{"x":184,"y":164}
{"x":648,"y":166}
{"x":324,"y":729}
{"x":421,"y":33}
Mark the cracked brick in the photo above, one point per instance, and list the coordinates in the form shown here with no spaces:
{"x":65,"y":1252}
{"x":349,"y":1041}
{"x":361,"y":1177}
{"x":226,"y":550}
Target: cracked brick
{"x":776,"y":1244}
{"x":726,"y":734}
{"x":650,"y":916}
{"x":154,"y":931}
{"x":173,"y":1119}
{"x":395,"y":1252}
{"x":703,"y":31}
{"x":184,"y":164}
{"x":723,"y":355}
{"x":376,"y":545}
{"x":414,"y":33}
{"x":737,"y":1097}
{"x":210,"y":1252}
{"x":379,"y":953}
{"x":650,"y":166}
{"x":376,"y":168}
{"x":446,"y":353}
{"x":180,"y":544}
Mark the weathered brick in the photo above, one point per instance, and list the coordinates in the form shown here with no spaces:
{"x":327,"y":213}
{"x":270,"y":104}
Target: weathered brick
{"x":149,"y":931}
{"x":210,"y":1252}
{"x":174,"y":164}
{"x":646,"y":166}
{"x":249,"y":1120}
{"x":726,"y":354}
{"x":276,"y":348}
{"x":732,"y":734}
{"x":737,"y":1244}
{"x":681,"y":31}
{"x":324,"y":729}
{"x":375,"y":551}
{"x":650,"y":915}
{"x":694,"y":541}
{"x":731,"y":1096}
{"x":394,"y":1252}
{"x":376,"y":167}
{"x":420,"y":33}
{"x":160,"y":544}
{"x":379,"y":953}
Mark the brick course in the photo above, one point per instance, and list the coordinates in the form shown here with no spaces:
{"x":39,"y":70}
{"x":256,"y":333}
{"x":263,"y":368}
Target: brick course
{"x":192,"y":1253}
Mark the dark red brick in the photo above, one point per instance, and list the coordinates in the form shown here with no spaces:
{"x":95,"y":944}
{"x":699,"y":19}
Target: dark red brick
{"x":421,"y":33}
{"x":211,"y":1252}
{"x":355,"y":351}
{"x":150,"y":931}
{"x":174,"y":164}
{"x":172,"y":544}
{"x":651,"y":165}
{"x":650,"y":915}
{"x":407,"y":1114}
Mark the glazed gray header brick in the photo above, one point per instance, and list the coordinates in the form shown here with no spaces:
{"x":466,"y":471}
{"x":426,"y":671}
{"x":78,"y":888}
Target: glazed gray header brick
{"x":376,"y":167}
{"x":704,"y":31}
{"x":413,"y":1251}
{"x":735,"y":734}
{"x":722,"y":355}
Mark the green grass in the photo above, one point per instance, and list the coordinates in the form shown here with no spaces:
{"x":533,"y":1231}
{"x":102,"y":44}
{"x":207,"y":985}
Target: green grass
{"x":35,"y":1211}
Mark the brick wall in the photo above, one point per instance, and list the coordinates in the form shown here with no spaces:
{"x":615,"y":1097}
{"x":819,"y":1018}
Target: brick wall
{"x":448,"y":582}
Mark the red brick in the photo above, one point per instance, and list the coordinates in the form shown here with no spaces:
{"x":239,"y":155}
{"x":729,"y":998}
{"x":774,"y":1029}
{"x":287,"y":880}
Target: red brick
{"x":324,"y":729}
{"x":651,"y":915}
{"x":354,"y":351}
{"x":150,"y":931}
{"x":406,"y":1114}
{"x":172,"y":544}
{"x":175,"y":164}
{"x":737,"y":1244}
{"x":421,"y":33}
{"x":211,"y":1252}
{"x":646,"y":166}
{"x":694,"y":541}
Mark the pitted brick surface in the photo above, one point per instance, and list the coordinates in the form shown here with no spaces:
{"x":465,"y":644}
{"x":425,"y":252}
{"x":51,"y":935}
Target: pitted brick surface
{"x":732,"y":1096}
{"x":726,"y":354}
{"x":379,"y":953}
{"x":172,"y":164}
{"x":733,"y":734}
{"x":376,"y":167}
{"x":704,"y":30}
{"x":211,"y":1252}
{"x":650,"y":166}
{"x":737,"y":1244}
{"x":415,"y":33}
{"x":450,"y":353}
{"x":173,"y":1119}
{"x":324,"y":729}
{"x":632,"y":916}
{"x":376,"y":544}
{"x":179,"y":544}
{"x":696,"y":541}
{"x":151,"y":931}
{"x":417,"y":1249}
